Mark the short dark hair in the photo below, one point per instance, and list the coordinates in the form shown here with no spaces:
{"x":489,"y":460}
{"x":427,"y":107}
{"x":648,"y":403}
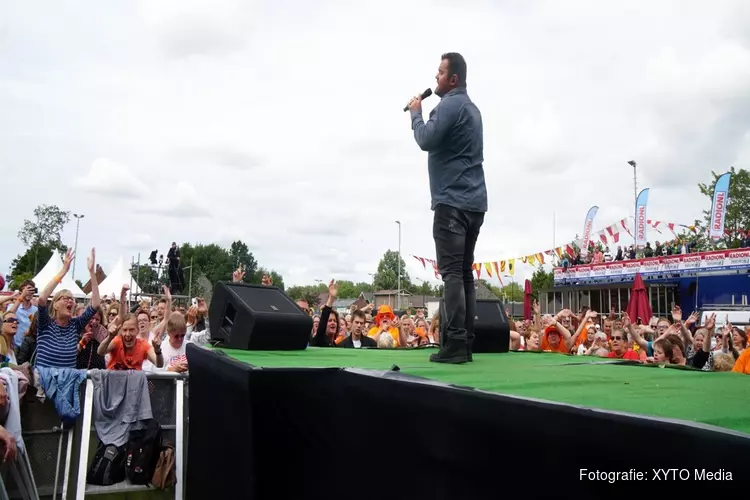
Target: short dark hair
{"x":359,"y":313}
{"x":26,"y":283}
{"x":456,"y":66}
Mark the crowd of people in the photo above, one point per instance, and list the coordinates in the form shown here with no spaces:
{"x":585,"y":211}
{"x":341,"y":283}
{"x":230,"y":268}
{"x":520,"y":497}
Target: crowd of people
{"x":41,"y":330}
{"x":676,"y":340}
{"x":600,"y":254}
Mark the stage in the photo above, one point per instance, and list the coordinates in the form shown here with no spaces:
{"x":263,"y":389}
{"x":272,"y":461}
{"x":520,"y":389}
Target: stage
{"x":344,"y":423}
{"x":720,"y":399}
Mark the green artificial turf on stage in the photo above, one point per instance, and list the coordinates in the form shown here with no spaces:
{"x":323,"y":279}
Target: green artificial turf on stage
{"x":720,"y":399}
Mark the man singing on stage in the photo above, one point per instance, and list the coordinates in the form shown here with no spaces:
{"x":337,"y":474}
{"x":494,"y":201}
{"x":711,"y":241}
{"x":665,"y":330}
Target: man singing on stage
{"x":454,"y":141}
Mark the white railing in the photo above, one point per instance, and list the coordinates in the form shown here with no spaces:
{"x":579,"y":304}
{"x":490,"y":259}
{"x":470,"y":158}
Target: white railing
{"x":40,"y":450}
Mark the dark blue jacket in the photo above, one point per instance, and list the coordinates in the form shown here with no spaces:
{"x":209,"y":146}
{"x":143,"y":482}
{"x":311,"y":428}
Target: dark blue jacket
{"x":454,"y":141}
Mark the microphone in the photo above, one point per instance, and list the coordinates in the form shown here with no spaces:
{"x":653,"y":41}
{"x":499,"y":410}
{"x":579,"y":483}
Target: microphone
{"x":427,"y":93}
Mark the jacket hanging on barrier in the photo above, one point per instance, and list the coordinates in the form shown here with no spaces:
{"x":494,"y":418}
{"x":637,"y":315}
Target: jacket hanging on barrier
{"x":121,"y":404}
{"x":61,"y":385}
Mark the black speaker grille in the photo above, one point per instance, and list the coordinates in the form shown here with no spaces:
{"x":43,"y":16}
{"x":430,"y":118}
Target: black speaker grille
{"x":268,"y":300}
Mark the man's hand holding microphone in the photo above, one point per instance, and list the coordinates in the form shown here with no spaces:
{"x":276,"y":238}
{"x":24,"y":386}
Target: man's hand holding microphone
{"x":415,"y":103}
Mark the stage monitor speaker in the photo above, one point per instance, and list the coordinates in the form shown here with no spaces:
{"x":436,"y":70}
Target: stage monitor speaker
{"x":257,"y":318}
{"x":491,"y":326}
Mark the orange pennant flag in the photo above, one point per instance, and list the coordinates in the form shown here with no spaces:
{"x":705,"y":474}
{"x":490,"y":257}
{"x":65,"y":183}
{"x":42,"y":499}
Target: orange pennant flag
{"x":477,"y":269}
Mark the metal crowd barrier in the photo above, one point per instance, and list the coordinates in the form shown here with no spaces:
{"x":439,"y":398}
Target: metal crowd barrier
{"x":47,"y":442}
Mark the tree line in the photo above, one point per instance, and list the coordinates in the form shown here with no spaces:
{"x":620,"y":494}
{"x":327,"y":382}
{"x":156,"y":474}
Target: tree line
{"x":41,"y":235}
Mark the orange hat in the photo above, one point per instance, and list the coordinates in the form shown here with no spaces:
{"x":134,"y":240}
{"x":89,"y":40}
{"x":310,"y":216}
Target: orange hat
{"x":551,"y":329}
{"x":384,"y":312}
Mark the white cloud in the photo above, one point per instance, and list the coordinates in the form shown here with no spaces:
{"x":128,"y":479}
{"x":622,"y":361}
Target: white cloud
{"x":109,"y":178}
{"x":280,"y":123}
{"x":178,"y":200}
{"x":190,"y":27}
{"x":137,"y":241}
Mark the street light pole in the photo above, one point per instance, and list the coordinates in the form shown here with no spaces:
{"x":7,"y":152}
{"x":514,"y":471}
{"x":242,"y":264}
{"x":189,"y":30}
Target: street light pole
{"x":635,"y":203}
{"x":398,"y":298}
{"x":75,"y":247}
{"x":424,"y":295}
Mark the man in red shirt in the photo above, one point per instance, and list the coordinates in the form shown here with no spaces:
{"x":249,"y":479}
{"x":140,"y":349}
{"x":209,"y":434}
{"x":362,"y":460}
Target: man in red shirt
{"x":620,"y":346}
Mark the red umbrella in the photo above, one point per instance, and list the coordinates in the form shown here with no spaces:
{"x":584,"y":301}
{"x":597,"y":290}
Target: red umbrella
{"x":639,"y":305}
{"x":527,"y":300}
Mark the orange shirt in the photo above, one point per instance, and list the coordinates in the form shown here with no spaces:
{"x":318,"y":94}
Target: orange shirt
{"x":632,"y":355}
{"x":742,"y":365}
{"x":393,"y":331}
{"x":561,"y":348}
{"x":120,"y":360}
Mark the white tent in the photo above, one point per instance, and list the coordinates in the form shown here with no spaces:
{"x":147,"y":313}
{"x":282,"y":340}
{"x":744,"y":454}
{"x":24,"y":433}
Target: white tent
{"x":119,"y":275}
{"x":48,"y":273}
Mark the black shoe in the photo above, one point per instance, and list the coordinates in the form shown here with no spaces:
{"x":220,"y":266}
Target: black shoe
{"x":453,"y":353}
{"x":469,"y":357}
{"x":469,"y":354}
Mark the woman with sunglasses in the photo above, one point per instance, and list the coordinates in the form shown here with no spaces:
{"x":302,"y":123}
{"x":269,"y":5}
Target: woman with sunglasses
{"x":7,"y":346}
{"x":58,"y":330}
{"x":28,"y":345}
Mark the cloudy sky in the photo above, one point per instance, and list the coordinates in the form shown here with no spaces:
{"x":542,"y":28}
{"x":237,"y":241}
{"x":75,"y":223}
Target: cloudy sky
{"x":280,"y":123}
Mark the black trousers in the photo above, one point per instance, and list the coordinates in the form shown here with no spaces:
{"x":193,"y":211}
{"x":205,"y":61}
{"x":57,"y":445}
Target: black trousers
{"x":456,"y":232}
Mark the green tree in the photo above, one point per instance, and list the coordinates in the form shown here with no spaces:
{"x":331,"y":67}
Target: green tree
{"x":148,"y":278}
{"x":424,"y":288}
{"x":212,"y":261}
{"x":26,"y":264}
{"x":241,"y":255}
{"x":387,"y":276}
{"x":15,"y":284}
{"x":698,"y":239}
{"x":737,"y":207}
{"x":44,"y":231}
{"x":347,"y":289}
{"x":309,"y":293}
{"x":80,"y":284}
{"x":496,"y":291}
{"x":541,"y":280}
{"x":513,"y":292}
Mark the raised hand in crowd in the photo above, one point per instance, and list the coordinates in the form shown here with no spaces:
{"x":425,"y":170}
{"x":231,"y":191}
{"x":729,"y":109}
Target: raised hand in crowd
{"x":123,"y":301}
{"x":711,"y":323}
{"x":238,"y":275}
{"x":535,"y":308}
{"x":156,"y":344}
{"x":50,"y":287}
{"x":692,"y":319}
{"x":113,"y":327}
{"x":548,"y":320}
{"x":162,"y":326}
{"x":266,"y":281}
{"x":91,"y":264}
{"x":202,"y":307}
{"x":154,"y":353}
{"x":333,"y":293}
{"x":677,"y":314}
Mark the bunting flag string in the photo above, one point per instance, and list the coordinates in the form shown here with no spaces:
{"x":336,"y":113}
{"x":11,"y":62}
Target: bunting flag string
{"x":609,"y":235}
